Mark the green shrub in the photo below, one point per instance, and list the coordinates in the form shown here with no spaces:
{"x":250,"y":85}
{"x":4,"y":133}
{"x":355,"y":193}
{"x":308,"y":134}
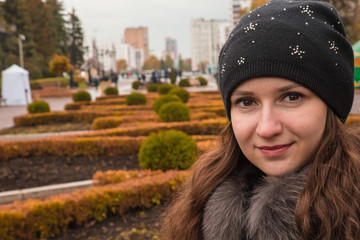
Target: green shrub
{"x":184,"y":82}
{"x":202,"y":81}
{"x":135,"y":99}
{"x":164,"y":99}
{"x":152,"y":87}
{"x":136,"y":84}
{"x":38,"y":106}
{"x":174,"y":112}
{"x":81,"y":96}
{"x":183,"y":94}
{"x":111,"y":91}
{"x":167,"y":150}
{"x":164,"y":89}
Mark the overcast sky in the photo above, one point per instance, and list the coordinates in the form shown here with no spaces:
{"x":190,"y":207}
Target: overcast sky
{"x":107,"y":19}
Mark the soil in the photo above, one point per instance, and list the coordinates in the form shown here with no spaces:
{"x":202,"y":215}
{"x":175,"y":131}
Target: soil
{"x":140,"y":224}
{"x":137,"y":225}
{"x":24,"y":173}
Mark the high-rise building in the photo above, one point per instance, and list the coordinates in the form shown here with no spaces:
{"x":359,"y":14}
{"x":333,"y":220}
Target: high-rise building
{"x":234,"y":10}
{"x":171,"y":48}
{"x":206,"y":43}
{"x":138,"y":39}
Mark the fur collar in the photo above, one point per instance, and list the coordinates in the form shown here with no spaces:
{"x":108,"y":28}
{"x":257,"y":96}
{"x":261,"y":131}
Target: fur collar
{"x":252,"y":206}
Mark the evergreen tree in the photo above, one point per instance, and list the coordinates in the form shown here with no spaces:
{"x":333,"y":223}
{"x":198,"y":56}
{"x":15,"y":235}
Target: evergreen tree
{"x":58,"y":26}
{"x":76,"y":38}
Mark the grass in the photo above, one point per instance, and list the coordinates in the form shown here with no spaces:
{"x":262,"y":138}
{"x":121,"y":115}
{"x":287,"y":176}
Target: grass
{"x":47,"y":128}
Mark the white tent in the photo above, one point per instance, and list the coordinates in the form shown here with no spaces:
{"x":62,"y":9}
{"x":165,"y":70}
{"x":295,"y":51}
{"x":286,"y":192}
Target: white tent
{"x":15,"y":89}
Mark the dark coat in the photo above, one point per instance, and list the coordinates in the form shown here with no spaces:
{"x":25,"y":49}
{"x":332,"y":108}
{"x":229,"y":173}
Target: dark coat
{"x":252,"y":206}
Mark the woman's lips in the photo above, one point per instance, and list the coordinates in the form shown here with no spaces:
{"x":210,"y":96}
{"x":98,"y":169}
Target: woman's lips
{"x":274,"y":151}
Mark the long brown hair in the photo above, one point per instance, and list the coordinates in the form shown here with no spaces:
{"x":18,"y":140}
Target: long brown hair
{"x":330,"y":200}
{"x":329,"y":206}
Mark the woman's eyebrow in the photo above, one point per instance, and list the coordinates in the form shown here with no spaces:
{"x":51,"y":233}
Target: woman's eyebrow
{"x":289,"y":87}
{"x":240,"y":92}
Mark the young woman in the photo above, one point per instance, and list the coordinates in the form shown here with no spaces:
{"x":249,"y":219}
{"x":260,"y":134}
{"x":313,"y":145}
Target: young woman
{"x":286,"y":168}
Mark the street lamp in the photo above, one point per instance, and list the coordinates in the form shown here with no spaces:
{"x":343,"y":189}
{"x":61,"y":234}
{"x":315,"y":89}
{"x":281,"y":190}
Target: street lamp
{"x":20,"y":39}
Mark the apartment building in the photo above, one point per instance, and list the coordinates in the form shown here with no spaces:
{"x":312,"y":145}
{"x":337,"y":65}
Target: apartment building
{"x":206,"y":42}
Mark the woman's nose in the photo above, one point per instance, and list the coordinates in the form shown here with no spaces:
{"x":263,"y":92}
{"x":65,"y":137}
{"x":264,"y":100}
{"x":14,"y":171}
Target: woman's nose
{"x":269,"y":123}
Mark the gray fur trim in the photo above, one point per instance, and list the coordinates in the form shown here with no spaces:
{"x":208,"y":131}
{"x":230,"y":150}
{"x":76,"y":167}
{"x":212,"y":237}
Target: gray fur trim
{"x":267,"y":212}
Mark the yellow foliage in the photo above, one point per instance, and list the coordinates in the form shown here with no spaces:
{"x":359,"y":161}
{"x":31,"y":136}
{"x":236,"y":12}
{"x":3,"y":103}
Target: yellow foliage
{"x":59,"y":64}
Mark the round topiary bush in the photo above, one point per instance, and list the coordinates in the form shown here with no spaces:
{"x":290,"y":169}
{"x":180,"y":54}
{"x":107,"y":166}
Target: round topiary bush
{"x":111,"y":91}
{"x":135,"y":99}
{"x":174,"y":112}
{"x":164,"y":89}
{"x":184,"y":82}
{"x":152,"y":87}
{"x":167,"y":150}
{"x":135,"y":84}
{"x":38,"y":106}
{"x":164,"y":99}
{"x":183,"y":94}
{"x":81,"y":96}
{"x":202,"y":81}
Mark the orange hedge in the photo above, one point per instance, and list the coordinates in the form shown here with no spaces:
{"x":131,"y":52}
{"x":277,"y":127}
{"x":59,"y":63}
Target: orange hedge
{"x":58,"y":117}
{"x":73,"y":147}
{"x":352,"y":119}
{"x":203,"y":127}
{"x":112,"y":177}
{"x":41,"y":219}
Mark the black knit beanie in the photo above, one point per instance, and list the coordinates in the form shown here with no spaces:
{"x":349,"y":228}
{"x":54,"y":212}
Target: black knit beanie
{"x":303,"y":41}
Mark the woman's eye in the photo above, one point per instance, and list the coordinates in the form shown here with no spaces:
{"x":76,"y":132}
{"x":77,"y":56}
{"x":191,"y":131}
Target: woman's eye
{"x":291,"y":97}
{"x":245,"y":102}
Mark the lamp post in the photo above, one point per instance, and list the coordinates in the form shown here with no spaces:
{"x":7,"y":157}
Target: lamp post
{"x":20,"y":39}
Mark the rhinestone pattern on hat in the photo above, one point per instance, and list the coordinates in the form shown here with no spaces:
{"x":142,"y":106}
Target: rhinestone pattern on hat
{"x":241,"y":61}
{"x":250,"y":27}
{"x":333,"y":46}
{"x":306,"y":10}
{"x":296,"y":51}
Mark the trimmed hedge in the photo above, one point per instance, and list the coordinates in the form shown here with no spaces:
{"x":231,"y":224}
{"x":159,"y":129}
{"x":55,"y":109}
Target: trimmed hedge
{"x":183,"y":94}
{"x":174,"y":112}
{"x":164,"y":99}
{"x":204,"y":127}
{"x":110,"y":91}
{"x":352,"y":120}
{"x":152,"y":87}
{"x":115,"y":121}
{"x":136,"y":99}
{"x":135,"y":84}
{"x":73,"y":146}
{"x":164,"y":88}
{"x":41,"y":219}
{"x":167,"y":150}
{"x":70,"y":147}
{"x":112,"y":177}
{"x":106,"y":122}
{"x":57,"y":117}
{"x":38,"y":107}
{"x":81,"y":96}
{"x":202,"y":81}
{"x":184,"y":83}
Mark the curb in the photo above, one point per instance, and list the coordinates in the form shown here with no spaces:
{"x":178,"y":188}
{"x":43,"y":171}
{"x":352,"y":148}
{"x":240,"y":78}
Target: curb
{"x":12,"y":137}
{"x":43,"y":191}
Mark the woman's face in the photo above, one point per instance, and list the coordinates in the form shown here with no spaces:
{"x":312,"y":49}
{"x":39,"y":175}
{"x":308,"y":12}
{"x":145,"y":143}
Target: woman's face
{"x":277,"y":123}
